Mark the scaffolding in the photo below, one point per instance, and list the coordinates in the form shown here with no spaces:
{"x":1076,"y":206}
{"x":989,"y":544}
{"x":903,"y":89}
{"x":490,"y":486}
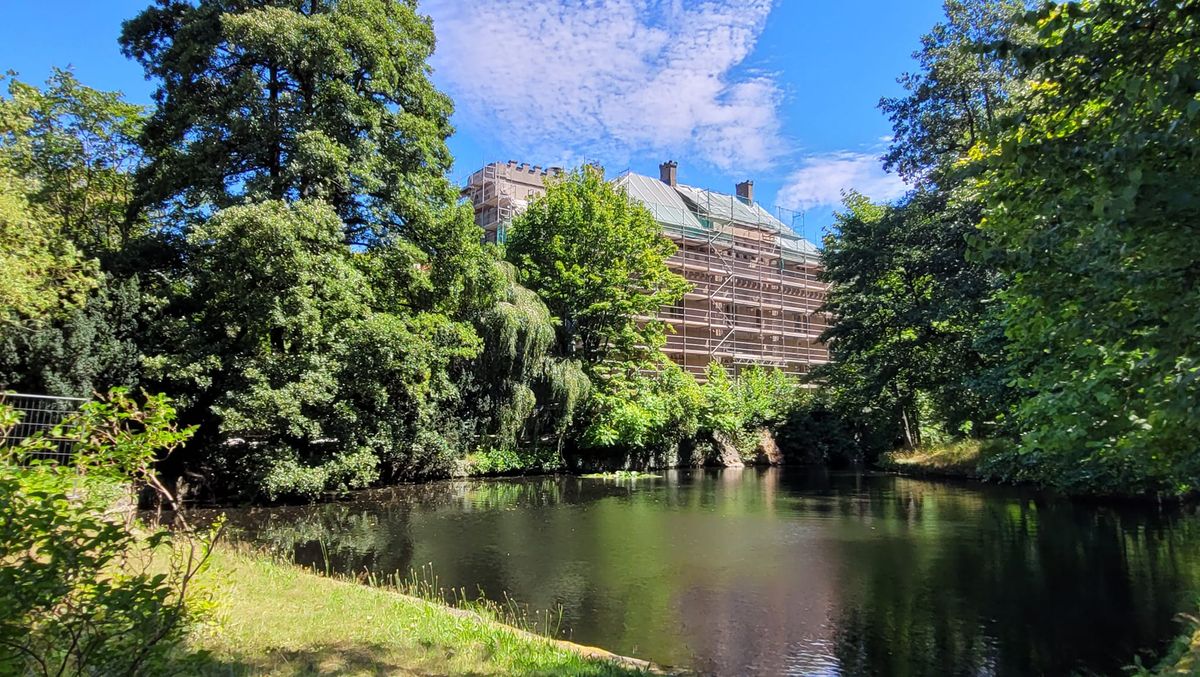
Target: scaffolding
{"x":500,"y":190}
{"x":756,"y":292}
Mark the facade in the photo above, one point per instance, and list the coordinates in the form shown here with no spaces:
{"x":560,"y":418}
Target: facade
{"x":756,"y":292}
{"x":499,"y":191}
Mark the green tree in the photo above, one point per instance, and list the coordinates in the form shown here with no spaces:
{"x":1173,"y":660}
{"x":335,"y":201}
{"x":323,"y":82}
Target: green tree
{"x":77,"y":148}
{"x":285,"y":100}
{"x":1092,"y":205}
{"x":74,"y":148}
{"x":599,"y":261}
{"x":908,"y":306}
{"x":45,"y":276}
{"x":957,"y":96}
{"x":915,"y":337}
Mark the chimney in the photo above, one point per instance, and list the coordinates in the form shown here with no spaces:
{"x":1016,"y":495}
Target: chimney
{"x":666,"y":172}
{"x":745,"y":192}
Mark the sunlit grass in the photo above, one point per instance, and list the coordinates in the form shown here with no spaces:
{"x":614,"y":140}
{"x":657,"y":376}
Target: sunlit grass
{"x":277,"y":619}
{"x":961,"y":458}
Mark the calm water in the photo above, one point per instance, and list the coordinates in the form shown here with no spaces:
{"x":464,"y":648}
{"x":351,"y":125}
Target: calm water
{"x":790,"y":571}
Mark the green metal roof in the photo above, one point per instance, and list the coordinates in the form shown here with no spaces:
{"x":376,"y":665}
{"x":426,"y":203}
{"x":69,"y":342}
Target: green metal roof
{"x":666,"y":205}
{"x":694,"y":209}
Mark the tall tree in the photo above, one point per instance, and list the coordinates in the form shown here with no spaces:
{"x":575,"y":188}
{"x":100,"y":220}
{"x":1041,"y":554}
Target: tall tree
{"x":305,"y":100}
{"x":1093,"y":204}
{"x":958,"y":94}
{"x":907,"y":310}
{"x":74,"y":148}
{"x":599,"y":261}
{"x":914,"y":334}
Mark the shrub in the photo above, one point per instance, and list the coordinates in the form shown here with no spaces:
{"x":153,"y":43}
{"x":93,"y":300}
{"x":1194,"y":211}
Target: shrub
{"x":83,"y":589}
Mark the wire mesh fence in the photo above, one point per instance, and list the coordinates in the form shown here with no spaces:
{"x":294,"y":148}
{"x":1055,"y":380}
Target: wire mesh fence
{"x":41,"y":415}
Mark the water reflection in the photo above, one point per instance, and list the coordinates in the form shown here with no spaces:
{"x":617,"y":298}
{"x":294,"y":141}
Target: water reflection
{"x":785,"y":571}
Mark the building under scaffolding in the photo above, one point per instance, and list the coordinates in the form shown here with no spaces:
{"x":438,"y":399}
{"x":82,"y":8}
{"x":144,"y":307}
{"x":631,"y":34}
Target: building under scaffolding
{"x":755,"y":289}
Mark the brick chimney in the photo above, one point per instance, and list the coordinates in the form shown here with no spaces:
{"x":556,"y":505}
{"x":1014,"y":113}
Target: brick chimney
{"x":745,"y":192}
{"x":666,"y":172}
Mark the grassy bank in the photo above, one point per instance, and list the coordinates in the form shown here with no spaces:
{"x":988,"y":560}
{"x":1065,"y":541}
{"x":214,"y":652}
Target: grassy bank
{"x":953,"y":459}
{"x":277,"y":619}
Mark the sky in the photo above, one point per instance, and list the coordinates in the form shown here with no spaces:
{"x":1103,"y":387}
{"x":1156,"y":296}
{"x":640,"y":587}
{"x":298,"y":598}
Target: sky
{"x":781,"y":92}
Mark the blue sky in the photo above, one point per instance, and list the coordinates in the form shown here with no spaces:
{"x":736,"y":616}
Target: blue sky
{"x":780,"y":92}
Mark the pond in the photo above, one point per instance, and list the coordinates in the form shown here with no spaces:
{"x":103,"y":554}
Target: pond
{"x":785,"y":570}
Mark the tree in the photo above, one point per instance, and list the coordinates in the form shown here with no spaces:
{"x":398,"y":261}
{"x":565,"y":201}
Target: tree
{"x":914,"y":334}
{"x":88,"y":349}
{"x":77,"y":148}
{"x":45,"y":277}
{"x":907,"y":305}
{"x":296,"y":100}
{"x":599,"y":261}
{"x":1092,"y":205}
{"x":74,"y":148}
{"x":959,"y":94}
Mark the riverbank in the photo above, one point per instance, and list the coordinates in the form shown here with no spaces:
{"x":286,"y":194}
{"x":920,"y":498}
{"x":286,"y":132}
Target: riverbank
{"x":961,"y":459}
{"x":274,"y":618}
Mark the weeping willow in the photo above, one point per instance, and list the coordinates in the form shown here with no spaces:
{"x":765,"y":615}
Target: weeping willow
{"x":529,"y":392}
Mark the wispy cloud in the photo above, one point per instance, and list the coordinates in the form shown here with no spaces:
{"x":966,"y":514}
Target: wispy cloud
{"x":822,"y":179}
{"x":610,"y":79}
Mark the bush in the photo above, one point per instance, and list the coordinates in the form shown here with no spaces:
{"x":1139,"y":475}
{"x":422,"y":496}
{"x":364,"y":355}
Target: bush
{"x":817,"y":429}
{"x":83,"y":589}
{"x":642,"y":412}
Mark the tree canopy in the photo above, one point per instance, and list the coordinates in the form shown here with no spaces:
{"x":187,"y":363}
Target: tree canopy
{"x":599,"y":261}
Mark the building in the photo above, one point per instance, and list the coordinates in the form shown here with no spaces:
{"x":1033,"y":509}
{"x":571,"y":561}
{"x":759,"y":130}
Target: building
{"x":755,"y":288}
{"x":500,"y":191}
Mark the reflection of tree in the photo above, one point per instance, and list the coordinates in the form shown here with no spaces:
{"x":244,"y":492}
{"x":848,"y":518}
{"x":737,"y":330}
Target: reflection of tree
{"x":1007,"y":585}
{"x":777,"y":571}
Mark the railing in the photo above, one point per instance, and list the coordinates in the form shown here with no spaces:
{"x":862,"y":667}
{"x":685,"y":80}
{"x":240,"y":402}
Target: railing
{"x":41,"y":414}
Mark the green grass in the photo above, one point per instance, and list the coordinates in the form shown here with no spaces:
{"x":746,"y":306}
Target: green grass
{"x":274,"y":618}
{"x":954,"y":459}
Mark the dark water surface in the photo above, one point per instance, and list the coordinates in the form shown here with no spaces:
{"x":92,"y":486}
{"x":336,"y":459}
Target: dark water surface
{"x":786,"y":571}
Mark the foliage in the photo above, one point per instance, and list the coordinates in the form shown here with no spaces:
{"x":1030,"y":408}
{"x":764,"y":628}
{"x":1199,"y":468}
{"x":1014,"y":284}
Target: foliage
{"x":45,"y":276}
{"x":509,"y":460}
{"x":323,"y":100}
{"x":737,"y":408}
{"x":520,"y":390}
{"x":79,"y":587}
{"x":74,"y":149}
{"x":823,"y":426}
{"x":87,"y":350}
{"x":598,"y":261}
{"x":643,"y":411}
{"x":915,"y":337}
{"x":77,"y":147}
{"x":327,"y":319}
{"x":908,"y":307}
{"x":285,"y":347}
{"x":959,"y":94}
{"x":1091,"y":206}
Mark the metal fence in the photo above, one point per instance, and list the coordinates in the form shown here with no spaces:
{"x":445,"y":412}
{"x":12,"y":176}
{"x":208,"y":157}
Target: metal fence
{"x":41,"y":415}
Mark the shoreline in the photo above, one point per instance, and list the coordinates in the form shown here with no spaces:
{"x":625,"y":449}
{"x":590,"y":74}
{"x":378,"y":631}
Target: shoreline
{"x":273,"y":617}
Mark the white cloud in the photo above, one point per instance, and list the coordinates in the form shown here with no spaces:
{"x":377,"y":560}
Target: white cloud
{"x":608,"y":79}
{"x":822,"y":179}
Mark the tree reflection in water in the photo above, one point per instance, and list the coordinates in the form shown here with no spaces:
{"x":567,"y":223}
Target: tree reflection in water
{"x":784,"y":571}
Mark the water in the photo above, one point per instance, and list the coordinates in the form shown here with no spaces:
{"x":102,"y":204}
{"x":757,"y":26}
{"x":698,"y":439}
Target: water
{"x":786,"y":571}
